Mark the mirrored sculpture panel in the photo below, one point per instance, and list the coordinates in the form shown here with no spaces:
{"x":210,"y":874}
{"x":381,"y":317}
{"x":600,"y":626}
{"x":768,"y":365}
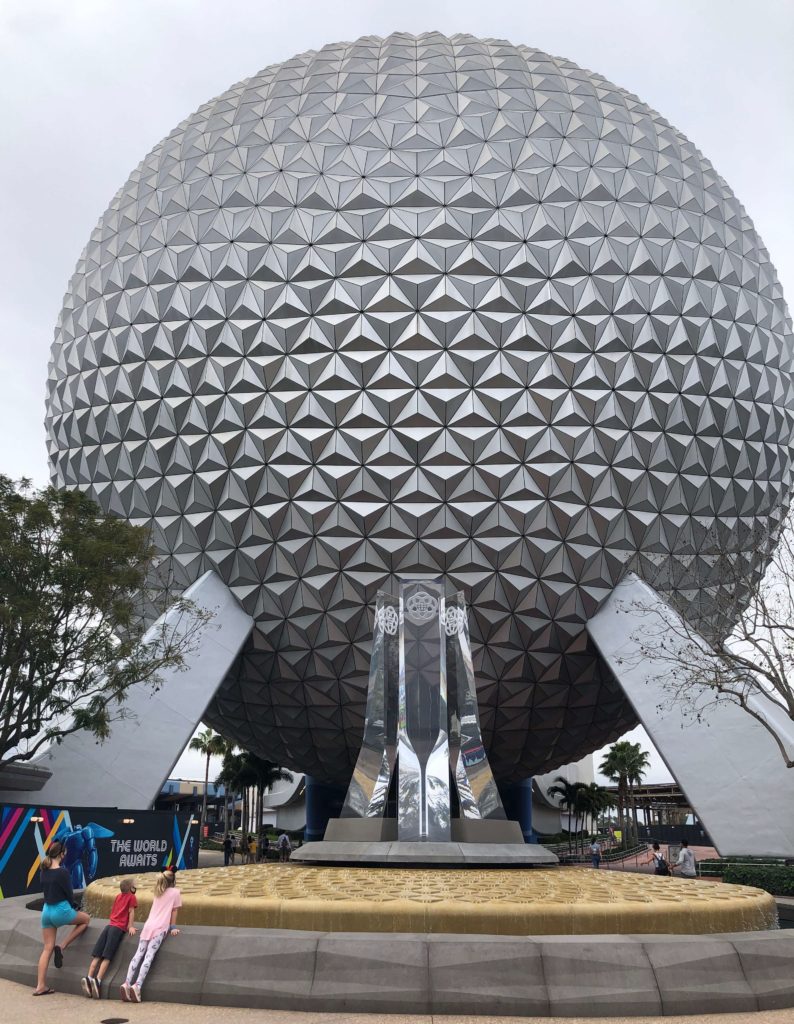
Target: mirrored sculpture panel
{"x":474,"y":781}
{"x":369,"y":787}
{"x":423,"y":806}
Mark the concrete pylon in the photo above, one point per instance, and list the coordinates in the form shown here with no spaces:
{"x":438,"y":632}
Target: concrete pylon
{"x":128,"y":769}
{"x":729,"y":768}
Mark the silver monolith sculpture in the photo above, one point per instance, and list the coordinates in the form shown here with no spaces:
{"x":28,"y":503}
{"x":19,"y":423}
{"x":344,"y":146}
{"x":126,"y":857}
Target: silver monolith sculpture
{"x":422,"y":718}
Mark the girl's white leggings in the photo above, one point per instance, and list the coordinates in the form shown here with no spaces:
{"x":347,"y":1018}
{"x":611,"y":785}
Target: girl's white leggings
{"x":144,"y":957}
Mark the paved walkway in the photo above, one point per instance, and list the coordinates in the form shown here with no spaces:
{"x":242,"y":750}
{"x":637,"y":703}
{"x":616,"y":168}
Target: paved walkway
{"x":19,"y":1007}
{"x":211,"y":859}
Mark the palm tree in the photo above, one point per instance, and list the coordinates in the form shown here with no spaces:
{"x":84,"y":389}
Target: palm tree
{"x":637,"y":765}
{"x":264,"y":773}
{"x":246,"y":779}
{"x":244,"y":771}
{"x":613,"y":767}
{"x":625,"y":764}
{"x":237,"y":777}
{"x":211,"y":744}
{"x":606,"y":802}
{"x":581,"y":809}
{"x":227,"y":777}
{"x":594,"y":800}
{"x":567,"y":792}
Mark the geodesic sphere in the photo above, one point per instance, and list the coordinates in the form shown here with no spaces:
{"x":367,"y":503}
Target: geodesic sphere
{"x":425,"y":306}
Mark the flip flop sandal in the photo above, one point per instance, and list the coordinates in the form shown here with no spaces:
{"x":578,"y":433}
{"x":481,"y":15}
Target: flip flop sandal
{"x":58,"y":955}
{"x":46,"y":992}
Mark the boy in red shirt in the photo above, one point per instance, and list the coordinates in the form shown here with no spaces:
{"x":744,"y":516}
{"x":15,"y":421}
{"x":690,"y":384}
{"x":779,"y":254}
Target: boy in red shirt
{"x":122,"y":916}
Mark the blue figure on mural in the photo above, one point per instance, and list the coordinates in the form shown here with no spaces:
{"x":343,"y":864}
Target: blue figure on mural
{"x":82,"y":856}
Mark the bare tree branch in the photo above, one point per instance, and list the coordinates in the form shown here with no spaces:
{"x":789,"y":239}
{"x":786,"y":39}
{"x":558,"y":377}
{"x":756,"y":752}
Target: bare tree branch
{"x":750,"y":662}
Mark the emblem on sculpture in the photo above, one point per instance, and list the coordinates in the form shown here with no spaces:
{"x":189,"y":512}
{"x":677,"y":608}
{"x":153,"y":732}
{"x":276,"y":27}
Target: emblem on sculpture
{"x":387,"y":619}
{"x":453,"y":620}
{"x":421,"y":607}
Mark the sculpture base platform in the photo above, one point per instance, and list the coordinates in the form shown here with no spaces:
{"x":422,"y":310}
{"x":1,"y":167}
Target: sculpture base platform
{"x":428,"y":855}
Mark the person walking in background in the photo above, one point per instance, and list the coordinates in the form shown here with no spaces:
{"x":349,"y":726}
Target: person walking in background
{"x":284,"y":847}
{"x":686,"y":861}
{"x":595,"y":853}
{"x":660,"y":865}
{"x":121,"y":922}
{"x":160,"y":923}
{"x":251,"y":850}
{"x":228,"y":851}
{"x":56,"y":884}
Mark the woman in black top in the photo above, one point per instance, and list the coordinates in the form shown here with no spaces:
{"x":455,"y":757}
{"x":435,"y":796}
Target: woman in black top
{"x":58,"y":911}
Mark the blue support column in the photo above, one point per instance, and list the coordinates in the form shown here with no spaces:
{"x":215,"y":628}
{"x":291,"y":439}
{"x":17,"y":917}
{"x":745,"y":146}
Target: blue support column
{"x":323,"y":801}
{"x":517,"y":800}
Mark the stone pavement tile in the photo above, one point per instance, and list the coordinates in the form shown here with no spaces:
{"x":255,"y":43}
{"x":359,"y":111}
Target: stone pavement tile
{"x":390,"y":970}
{"x":210,"y":859}
{"x":250,"y":965}
{"x":487,"y":975}
{"x":479,"y":1019}
{"x":179,"y":968}
{"x":769,"y":969}
{"x":698,"y":976}
{"x":8,"y":923}
{"x":18,"y":1007}
{"x":771,"y":1017}
{"x":617,"y":977}
{"x":23,"y":950}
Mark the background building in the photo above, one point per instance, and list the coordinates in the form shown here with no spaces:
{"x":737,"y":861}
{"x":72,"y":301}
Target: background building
{"x":188,"y":795}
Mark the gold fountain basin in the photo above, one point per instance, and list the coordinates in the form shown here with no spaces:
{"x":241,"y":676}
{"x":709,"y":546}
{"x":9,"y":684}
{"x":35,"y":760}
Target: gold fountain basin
{"x":489,"y":902}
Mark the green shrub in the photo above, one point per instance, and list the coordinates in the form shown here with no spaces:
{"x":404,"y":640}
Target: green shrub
{"x":775,"y":878}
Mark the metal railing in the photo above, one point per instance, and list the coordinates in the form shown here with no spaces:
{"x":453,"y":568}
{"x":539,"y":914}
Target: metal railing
{"x":714,"y":867}
{"x":611,"y":854}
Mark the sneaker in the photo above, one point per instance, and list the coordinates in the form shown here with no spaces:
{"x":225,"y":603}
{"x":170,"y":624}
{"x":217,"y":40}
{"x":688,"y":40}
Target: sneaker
{"x":126,"y":993}
{"x":87,"y":987}
{"x":96,"y":989}
{"x":58,"y":957}
{"x":135,"y":991}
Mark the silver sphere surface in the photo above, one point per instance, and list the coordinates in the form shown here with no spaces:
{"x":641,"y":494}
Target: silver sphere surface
{"x":429,"y":306}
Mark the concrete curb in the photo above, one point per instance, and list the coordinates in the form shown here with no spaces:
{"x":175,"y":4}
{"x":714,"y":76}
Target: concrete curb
{"x":562,"y":976}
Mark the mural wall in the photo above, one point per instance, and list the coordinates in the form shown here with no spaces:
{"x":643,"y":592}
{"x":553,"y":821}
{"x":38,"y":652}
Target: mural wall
{"x":99,"y":842}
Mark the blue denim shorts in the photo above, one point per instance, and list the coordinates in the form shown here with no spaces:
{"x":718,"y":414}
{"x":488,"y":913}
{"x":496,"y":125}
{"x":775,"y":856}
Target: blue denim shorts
{"x":56,"y":915}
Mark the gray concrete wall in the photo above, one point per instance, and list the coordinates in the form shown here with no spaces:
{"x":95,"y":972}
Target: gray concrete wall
{"x":560,"y":976}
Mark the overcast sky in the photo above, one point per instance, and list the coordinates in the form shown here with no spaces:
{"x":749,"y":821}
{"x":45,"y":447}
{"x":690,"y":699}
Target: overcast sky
{"x":88,"y":87}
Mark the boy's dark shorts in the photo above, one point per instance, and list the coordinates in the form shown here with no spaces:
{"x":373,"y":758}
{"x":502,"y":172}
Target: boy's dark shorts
{"x":108,"y":942}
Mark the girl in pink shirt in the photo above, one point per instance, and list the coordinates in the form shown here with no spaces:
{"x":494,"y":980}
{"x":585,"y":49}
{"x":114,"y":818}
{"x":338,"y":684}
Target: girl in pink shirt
{"x":160,"y":922}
